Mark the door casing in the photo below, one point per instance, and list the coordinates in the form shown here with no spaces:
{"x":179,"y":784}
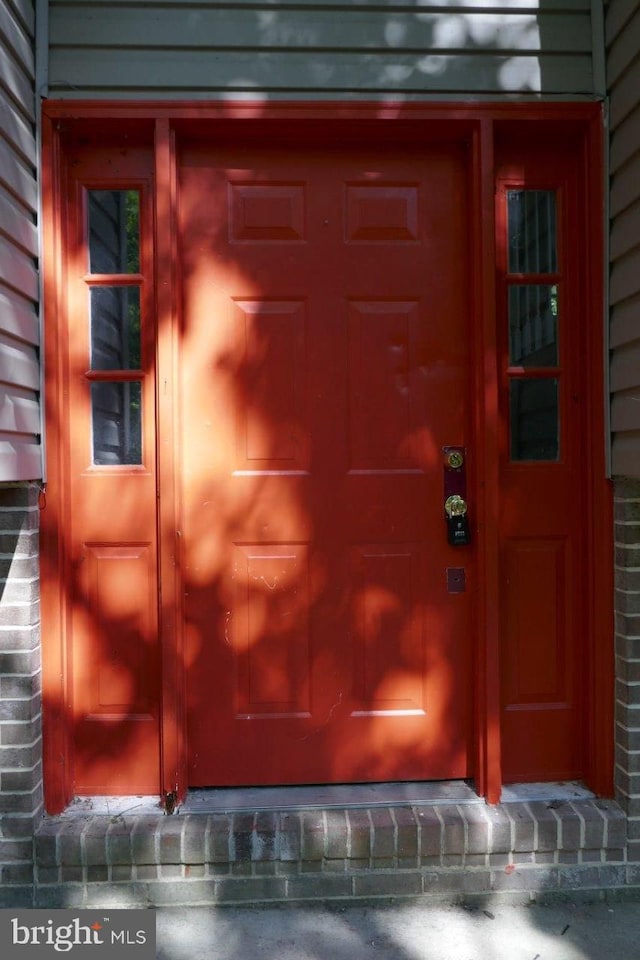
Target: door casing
{"x":160,"y":126}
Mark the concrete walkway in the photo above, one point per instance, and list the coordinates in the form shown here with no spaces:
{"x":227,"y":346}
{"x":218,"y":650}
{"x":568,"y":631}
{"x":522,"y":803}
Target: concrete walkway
{"x":498,"y":931}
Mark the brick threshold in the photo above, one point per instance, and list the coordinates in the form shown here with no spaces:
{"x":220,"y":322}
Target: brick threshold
{"x":448,"y":851}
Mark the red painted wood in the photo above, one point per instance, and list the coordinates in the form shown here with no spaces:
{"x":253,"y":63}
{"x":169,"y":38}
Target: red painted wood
{"x":543,"y":507}
{"x":324,"y":365}
{"x":599,"y":719}
{"x":109,"y":535}
{"x":103,"y":123}
{"x":173,"y":744}
{"x":58,"y":789}
{"x":486,"y":741}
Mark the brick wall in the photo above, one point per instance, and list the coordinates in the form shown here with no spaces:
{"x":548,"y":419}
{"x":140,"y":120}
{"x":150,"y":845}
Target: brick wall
{"x":627,"y":607}
{"x":20,"y":700}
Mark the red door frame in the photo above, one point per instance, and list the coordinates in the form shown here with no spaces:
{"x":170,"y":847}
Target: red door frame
{"x":159,"y":124}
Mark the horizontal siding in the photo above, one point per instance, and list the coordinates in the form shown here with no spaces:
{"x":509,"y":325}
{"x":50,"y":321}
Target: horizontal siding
{"x":186,"y":49}
{"x":627,"y":140}
{"x":20,"y":453}
{"x":623,"y":80}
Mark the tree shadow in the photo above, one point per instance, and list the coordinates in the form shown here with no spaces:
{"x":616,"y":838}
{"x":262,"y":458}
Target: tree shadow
{"x":283,"y":535}
{"x":313,"y":545}
{"x":399,"y":931}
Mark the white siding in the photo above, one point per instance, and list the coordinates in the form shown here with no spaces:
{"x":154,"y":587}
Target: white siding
{"x":19,"y":332}
{"x":321,"y":48}
{"x":623,"y":78}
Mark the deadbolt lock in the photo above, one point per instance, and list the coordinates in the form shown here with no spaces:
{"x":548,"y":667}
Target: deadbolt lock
{"x":455,"y":460}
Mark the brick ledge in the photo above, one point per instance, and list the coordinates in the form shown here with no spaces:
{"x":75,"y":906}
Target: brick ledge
{"x":448,"y":850}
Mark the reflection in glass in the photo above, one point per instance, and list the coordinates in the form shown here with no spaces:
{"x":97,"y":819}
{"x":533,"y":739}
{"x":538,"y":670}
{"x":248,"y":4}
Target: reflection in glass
{"x":117,"y":423}
{"x":114,"y":231}
{"x":532,"y":231}
{"x":533,"y":326}
{"x":115,"y":328}
{"x":534,"y":422}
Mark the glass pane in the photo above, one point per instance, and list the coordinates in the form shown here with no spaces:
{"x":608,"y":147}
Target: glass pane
{"x":117,"y":423}
{"x":532,"y":231}
{"x":533,"y":326}
{"x":115,"y":328}
{"x":114,"y":231}
{"x":534,"y":419}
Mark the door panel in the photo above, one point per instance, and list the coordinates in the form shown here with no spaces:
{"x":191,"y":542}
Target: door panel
{"x":543,"y":470}
{"x":324,"y":367}
{"x":111,"y":584}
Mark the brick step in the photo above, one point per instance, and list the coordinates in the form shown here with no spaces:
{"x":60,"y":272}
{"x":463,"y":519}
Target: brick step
{"x":447,"y":850}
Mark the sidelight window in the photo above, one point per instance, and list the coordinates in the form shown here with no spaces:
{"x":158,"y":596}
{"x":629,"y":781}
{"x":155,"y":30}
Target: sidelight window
{"x":533,"y":310}
{"x":114,"y":283}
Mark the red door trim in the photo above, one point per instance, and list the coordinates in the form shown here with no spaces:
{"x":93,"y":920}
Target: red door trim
{"x":55,"y":706}
{"x":172,"y":736}
{"x":478,"y":122}
{"x":488,"y":767}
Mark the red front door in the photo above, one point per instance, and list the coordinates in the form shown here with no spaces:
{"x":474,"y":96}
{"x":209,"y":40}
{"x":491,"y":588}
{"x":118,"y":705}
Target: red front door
{"x":324,"y":352}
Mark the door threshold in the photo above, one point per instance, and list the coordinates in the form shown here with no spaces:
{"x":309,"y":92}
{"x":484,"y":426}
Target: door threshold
{"x":328,"y":796}
{"x":341,"y":796}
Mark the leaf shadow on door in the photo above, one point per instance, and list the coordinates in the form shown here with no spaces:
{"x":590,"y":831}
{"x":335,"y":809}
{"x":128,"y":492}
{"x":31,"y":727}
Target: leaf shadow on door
{"x":320,"y":643}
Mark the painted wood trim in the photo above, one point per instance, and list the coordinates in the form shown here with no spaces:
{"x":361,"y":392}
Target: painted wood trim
{"x":194,"y":112}
{"x":173,"y":765}
{"x":56,"y":737}
{"x":488,"y":700}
